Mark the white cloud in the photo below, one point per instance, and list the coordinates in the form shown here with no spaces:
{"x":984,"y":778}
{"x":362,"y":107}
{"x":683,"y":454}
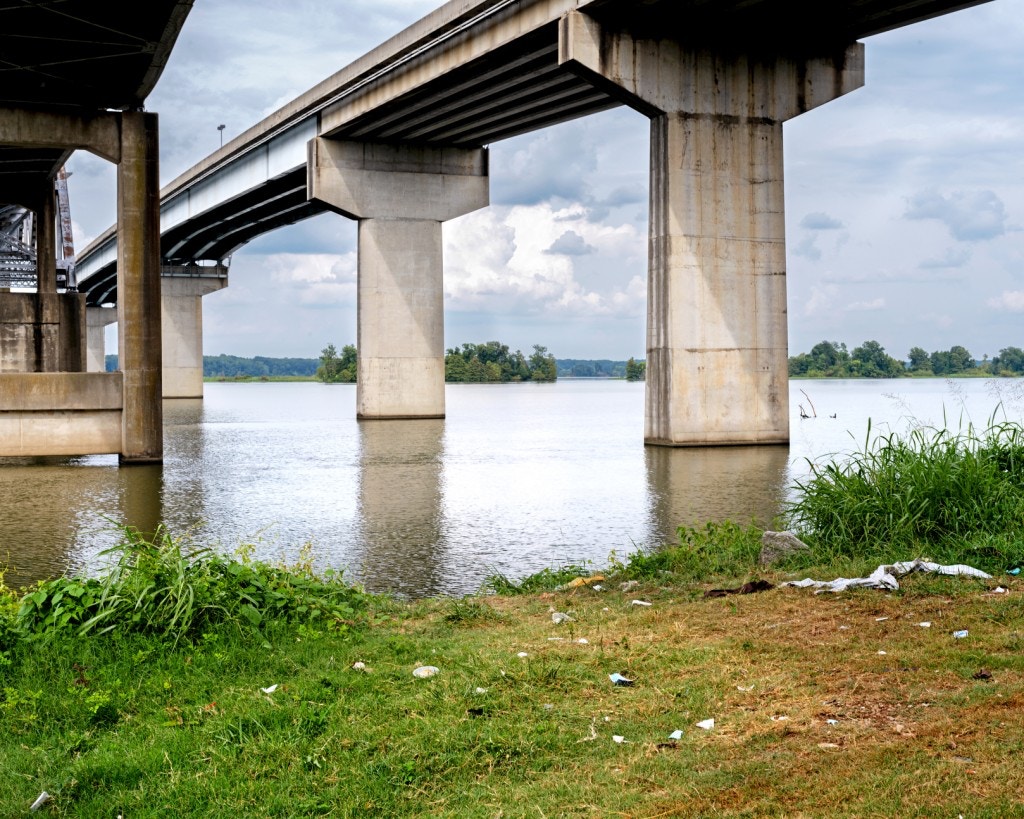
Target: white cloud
{"x":969,"y":215}
{"x":861,"y":306}
{"x":1011,"y":301}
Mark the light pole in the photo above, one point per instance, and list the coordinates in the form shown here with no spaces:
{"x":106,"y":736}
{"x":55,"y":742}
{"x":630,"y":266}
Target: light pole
{"x":221,"y":129}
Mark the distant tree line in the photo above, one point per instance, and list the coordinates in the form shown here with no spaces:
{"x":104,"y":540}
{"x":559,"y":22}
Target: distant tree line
{"x":829,"y":359}
{"x":233,"y":366}
{"x":493,"y":362}
{"x":337,"y":369}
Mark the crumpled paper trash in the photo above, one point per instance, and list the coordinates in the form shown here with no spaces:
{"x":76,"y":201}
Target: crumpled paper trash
{"x":884,"y":577}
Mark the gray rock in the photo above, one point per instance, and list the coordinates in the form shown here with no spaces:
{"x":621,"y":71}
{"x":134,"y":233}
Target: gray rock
{"x":777,"y":546}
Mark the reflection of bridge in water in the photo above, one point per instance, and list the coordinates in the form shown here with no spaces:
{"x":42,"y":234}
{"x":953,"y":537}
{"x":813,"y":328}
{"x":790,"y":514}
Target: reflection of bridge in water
{"x":397,"y":141}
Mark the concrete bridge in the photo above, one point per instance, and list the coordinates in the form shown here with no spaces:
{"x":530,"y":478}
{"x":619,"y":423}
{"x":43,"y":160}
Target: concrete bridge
{"x":397,"y":141}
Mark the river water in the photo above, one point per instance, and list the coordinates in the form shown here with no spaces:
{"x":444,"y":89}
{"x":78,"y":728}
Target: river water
{"x":517,"y":477}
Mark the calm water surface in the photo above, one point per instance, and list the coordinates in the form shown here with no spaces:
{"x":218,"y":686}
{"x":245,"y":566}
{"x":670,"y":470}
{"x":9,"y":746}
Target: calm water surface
{"x":516,"y":478}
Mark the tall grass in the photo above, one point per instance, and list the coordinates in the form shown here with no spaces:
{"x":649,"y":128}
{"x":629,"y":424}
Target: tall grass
{"x":931,"y":486}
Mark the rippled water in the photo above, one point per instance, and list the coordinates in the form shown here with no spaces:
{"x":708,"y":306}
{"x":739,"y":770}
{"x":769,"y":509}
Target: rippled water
{"x":516,"y":478}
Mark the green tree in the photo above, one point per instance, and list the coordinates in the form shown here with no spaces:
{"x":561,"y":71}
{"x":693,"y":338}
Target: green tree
{"x":337,"y":369}
{"x":1009,"y":360}
{"x":542,"y":365}
{"x":636,"y":370}
{"x":919,"y":360}
{"x":870,"y":360}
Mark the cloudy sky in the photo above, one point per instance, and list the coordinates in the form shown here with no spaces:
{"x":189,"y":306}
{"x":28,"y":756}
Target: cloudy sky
{"x":905,"y":199}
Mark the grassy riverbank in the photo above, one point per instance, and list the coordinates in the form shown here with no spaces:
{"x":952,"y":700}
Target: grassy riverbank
{"x":189,"y":684}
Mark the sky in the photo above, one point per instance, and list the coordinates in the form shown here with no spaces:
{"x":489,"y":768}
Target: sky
{"x":904,"y":199}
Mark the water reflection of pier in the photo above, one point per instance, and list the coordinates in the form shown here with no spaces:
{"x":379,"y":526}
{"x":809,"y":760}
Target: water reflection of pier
{"x":691,"y":486}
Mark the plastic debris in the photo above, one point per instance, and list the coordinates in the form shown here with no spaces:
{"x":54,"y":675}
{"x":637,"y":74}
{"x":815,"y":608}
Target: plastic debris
{"x":706,"y":724}
{"x":270,"y":689}
{"x":779,"y":718}
{"x":560,"y":617}
{"x":583,"y":641}
{"x":676,"y":735}
{"x":959,"y":635}
{"x":744,"y":688}
{"x":597,"y":587}
{"x":618,"y":739}
{"x":556,"y":639}
{"x":982,"y":674}
{"x":522,"y":654}
{"x":618,"y":679}
{"x":424,"y":671}
{"x":1014,"y":571}
{"x":548,"y":706}
{"x":884,"y":577}
{"x":480,"y":690}
{"x":832,"y":721}
{"x":827,"y":746}
{"x":41,"y":800}
{"x":881,"y":619}
{"x":360,"y":666}
{"x":998,"y":590}
{"x":752,"y":587}
{"x":641,"y":603}
{"x":925,"y":624}
{"x":883,"y":652}
{"x":575,"y":583}
{"x":629,"y":585}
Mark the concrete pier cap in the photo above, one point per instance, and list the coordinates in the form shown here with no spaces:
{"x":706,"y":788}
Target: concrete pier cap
{"x":717,"y":344}
{"x":400,"y":194}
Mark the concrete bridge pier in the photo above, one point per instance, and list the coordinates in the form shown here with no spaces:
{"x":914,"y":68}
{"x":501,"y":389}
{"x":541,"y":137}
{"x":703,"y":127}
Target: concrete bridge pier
{"x":182,"y":309}
{"x":96,"y":321}
{"x":400,"y":194}
{"x":717,"y":347}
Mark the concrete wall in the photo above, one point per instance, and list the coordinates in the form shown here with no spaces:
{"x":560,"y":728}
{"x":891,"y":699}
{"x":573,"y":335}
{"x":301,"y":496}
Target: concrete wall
{"x":87,"y":423}
{"x":42,"y":332}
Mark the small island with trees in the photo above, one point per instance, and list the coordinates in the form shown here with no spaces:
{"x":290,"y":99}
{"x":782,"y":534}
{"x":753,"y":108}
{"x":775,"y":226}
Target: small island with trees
{"x":829,"y":359}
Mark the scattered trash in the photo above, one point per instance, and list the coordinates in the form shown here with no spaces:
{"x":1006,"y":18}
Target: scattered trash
{"x":744,"y":688}
{"x":752,"y":587}
{"x":827,"y":746}
{"x":998,"y":590}
{"x":607,"y":719}
{"x":884,"y":577}
{"x":706,"y":724}
{"x":580,"y":581}
{"x":424,"y":671}
{"x":629,"y":585}
{"x":597,"y":587}
{"x":480,"y":690}
{"x":926,"y":624}
{"x":676,"y":735}
{"x":475,"y":712}
{"x":270,"y":689}
{"x":360,"y":666}
{"x":591,"y":736}
{"x":606,"y":609}
{"x":583,"y":641}
{"x":832,"y":722}
{"x":522,"y":654}
{"x":883,"y":652}
{"x":556,"y":639}
{"x":844,"y":628}
{"x":881,"y":619}
{"x":560,"y":617}
{"x":41,"y":800}
{"x":548,"y":706}
{"x":618,"y":679}
{"x":982,"y":674}
{"x":1014,"y":571}
{"x":641,"y":603}
{"x":618,"y":739}
{"x":779,"y":718}
{"x":959,"y":635}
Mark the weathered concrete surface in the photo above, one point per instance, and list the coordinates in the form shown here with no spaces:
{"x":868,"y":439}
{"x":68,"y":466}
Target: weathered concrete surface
{"x":182,"y":319}
{"x":400,"y":195}
{"x":42,"y":332}
{"x":96,"y":320}
{"x":87,"y":422}
{"x":138,"y":287}
{"x":717,"y":347}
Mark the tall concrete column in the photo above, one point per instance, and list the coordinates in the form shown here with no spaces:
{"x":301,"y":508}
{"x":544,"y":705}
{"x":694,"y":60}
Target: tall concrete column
{"x":717,"y":347}
{"x":46,"y":241}
{"x":400,"y":195}
{"x":96,"y":321}
{"x":182,"y":317}
{"x":138,"y":288}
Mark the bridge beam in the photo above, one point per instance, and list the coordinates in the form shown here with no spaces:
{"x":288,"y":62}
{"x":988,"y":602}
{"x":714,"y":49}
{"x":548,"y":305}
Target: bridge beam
{"x":182,"y":301}
{"x":717,"y":347}
{"x":400,"y":195}
{"x":96,"y":321}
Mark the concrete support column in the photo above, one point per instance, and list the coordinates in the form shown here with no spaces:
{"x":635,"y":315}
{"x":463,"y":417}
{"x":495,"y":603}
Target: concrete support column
{"x":400,"y":195}
{"x":717,"y":347}
{"x":96,"y":321}
{"x":46,"y":241}
{"x":138,"y":288}
{"x":182,"y":319}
